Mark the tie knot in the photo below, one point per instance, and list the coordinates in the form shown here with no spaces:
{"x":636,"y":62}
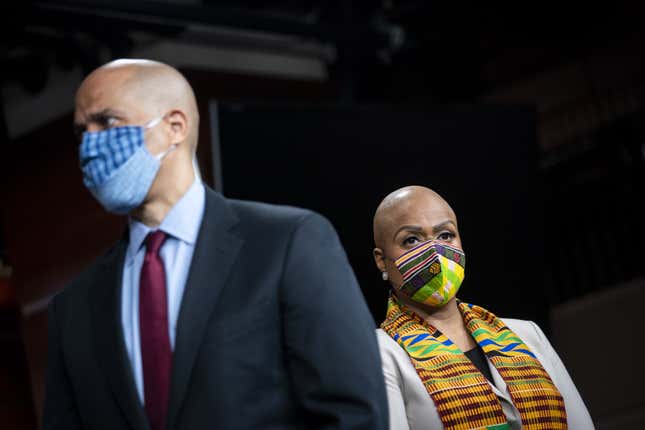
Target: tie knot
{"x":154,"y":241}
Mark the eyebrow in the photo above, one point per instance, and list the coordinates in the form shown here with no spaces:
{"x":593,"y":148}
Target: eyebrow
{"x":419,"y":229}
{"x":442,"y":225}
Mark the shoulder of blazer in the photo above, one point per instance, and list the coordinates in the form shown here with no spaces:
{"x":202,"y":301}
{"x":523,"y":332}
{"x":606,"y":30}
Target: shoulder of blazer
{"x":526,"y":330}
{"x":385,"y":341}
{"x":266,"y":213}
{"x":392,"y":354}
{"x":532,"y":335}
{"x":265,"y":218}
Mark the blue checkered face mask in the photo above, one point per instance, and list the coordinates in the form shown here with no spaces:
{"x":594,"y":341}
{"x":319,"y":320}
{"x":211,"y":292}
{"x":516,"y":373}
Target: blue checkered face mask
{"x":117,"y":167}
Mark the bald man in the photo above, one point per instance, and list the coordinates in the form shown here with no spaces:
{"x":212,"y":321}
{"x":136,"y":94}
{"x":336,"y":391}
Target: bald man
{"x":209,"y":312}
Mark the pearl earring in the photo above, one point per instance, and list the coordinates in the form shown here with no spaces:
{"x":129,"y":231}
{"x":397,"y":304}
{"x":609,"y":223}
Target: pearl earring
{"x":385,"y":276}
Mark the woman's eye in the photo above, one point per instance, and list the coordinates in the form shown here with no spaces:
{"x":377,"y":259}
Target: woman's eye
{"x":411,"y":240}
{"x":446,"y":236}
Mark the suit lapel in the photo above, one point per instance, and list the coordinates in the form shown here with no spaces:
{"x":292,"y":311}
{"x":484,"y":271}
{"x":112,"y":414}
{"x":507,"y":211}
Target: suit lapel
{"x":108,"y":336}
{"x":215,"y":253}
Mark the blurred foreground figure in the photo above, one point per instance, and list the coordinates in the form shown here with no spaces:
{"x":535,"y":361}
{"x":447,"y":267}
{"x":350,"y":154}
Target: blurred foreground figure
{"x":209,"y":312}
{"x":449,"y":364}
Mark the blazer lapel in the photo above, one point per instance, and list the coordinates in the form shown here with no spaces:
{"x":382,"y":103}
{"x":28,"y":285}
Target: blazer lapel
{"x":215,"y":253}
{"x":499,"y":386}
{"x":108,"y":337}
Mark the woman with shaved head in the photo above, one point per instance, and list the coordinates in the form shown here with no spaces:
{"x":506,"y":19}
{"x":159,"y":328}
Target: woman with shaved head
{"x":448,"y":364}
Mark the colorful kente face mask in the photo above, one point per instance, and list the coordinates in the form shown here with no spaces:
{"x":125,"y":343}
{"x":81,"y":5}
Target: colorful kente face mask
{"x":432,"y":273}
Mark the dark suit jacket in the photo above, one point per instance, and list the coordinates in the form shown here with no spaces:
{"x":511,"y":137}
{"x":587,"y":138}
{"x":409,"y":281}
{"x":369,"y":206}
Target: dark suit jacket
{"x":273,"y":333}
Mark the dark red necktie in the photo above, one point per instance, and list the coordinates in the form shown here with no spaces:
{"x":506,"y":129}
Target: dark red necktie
{"x":156,"y":355}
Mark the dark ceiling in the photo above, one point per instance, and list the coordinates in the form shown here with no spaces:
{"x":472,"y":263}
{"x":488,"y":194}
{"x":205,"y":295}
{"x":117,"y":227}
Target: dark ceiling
{"x":407,"y":50}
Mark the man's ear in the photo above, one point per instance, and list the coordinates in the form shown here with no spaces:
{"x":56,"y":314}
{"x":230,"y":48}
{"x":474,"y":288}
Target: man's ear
{"x":178,"y":126}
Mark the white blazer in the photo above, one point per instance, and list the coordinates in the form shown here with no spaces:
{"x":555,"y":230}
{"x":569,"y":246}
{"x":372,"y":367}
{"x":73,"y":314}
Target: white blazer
{"x":412,"y":408}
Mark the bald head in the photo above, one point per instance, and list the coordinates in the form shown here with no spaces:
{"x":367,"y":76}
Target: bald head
{"x":406,"y":218}
{"x":153,"y":88}
{"x":406,"y":205}
{"x":157,"y":98}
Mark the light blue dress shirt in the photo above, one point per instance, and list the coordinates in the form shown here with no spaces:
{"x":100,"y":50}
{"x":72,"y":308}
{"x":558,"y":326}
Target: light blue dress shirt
{"x":182,"y":226}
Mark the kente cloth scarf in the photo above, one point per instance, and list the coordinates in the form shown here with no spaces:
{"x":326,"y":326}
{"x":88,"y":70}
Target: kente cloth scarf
{"x":461,"y":393}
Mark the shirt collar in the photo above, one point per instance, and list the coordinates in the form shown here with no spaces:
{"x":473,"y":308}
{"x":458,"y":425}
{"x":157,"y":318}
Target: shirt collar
{"x":182,"y":221}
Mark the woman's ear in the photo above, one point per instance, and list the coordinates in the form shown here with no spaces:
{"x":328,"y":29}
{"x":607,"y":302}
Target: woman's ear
{"x":379,"y":259}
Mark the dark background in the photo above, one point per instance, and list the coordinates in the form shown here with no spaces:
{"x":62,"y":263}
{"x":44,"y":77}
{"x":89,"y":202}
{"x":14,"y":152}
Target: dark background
{"x":342,"y":162}
{"x":529,"y":119}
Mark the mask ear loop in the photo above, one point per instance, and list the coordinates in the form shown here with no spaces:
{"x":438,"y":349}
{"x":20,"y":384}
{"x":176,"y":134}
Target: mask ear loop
{"x":152,"y":123}
{"x":163,"y":155}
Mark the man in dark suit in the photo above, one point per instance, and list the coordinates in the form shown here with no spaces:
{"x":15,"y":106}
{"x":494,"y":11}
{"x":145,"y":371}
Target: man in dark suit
{"x":209,"y":312}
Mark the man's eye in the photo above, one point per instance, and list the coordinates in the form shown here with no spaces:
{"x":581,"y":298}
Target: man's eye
{"x":446,"y":236}
{"x":109,"y":122}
